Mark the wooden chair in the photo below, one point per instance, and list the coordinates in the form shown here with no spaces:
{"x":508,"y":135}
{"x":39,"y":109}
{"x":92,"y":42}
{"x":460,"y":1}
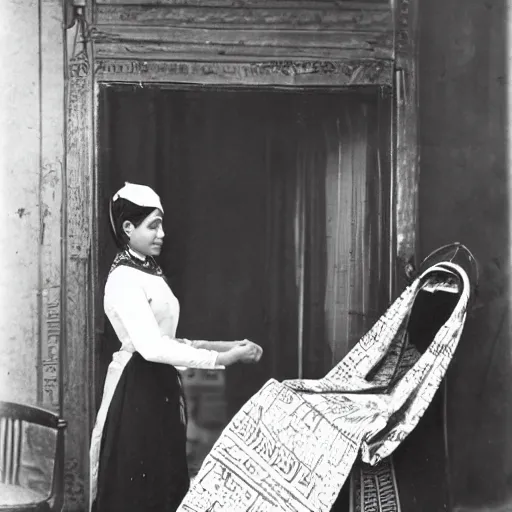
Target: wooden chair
{"x":15,"y":421}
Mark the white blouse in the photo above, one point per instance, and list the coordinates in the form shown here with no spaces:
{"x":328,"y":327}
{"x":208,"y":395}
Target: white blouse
{"x":144,"y":314}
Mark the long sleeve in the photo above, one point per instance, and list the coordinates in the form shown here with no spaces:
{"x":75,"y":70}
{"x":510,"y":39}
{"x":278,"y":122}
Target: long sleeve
{"x":128,"y":309}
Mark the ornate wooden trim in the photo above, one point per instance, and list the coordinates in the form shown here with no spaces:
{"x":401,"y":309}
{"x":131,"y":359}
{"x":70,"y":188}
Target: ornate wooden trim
{"x":78,"y":267}
{"x":278,"y":73}
{"x":406,"y":27}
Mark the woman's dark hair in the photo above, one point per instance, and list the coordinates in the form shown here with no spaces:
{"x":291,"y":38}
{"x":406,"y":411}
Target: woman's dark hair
{"x":123,"y":210}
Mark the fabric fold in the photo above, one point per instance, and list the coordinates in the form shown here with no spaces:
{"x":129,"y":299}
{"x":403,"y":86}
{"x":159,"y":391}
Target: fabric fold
{"x":292,"y":446}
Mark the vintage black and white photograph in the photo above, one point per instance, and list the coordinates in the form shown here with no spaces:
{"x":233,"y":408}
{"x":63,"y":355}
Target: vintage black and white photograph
{"x":256,"y":256}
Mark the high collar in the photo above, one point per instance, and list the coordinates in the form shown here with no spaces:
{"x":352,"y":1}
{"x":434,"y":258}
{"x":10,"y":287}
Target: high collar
{"x":137,"y":254}
{"x":133,"y":259}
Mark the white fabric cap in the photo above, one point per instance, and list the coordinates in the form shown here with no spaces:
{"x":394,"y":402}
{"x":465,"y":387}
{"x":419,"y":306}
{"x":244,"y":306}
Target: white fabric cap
{"x":141,"y":195}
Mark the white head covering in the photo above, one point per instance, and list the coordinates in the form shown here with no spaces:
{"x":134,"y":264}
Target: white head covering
{"x":141,"y":195}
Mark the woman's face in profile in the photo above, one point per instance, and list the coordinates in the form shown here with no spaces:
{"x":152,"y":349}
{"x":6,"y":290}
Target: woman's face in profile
{"x":147,"y":238}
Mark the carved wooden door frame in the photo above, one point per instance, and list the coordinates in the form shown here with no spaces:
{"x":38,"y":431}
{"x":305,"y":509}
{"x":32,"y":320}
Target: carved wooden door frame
{"x":310,"y":43}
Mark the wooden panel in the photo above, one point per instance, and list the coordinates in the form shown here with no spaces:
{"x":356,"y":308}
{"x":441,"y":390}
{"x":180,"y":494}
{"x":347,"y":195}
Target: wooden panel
{"x":159,"y":51}
{"x":289,"y":39}
{"x":268,"y":4}
{"x":280,"y":73}
{"x":266,"y":29}
{"x":349,"y":18}
{"x":407,"y":151}
{"x":243,"y":45}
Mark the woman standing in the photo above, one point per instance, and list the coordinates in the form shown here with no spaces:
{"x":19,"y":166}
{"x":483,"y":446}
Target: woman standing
{"x":138,"y":447}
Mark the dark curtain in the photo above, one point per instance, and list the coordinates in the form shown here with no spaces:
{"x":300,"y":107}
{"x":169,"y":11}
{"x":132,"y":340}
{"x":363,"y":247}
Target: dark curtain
{"x":296,"y":260}
{"x":275,"y":217}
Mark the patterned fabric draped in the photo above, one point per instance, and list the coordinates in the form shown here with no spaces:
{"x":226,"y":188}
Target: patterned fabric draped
{"x":293,"y":445}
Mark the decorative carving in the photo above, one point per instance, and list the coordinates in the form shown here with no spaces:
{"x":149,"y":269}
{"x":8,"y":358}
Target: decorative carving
{"x":286,"y":68}
{"x":402,"y":25}
{"x":78,"y":151}
{"x":79,"y":65}
{"x":366,"y":71}
{"x":79,"y":62}
{"x":73,"y":484}
{"x":121,"y":66}
{"x":50,"y":344}
{"x":331,"y":72}
{"x":290,"y":68}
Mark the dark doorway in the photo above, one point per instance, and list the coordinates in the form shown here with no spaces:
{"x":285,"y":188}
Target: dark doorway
{"x":276,"y":217}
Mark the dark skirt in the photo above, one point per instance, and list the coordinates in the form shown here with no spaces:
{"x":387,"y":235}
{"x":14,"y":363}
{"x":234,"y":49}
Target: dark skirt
{"x":143,"y":460}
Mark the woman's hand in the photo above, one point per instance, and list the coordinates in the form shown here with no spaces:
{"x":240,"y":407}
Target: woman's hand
{"x":242,"y":352}
{"x":255,"y":350}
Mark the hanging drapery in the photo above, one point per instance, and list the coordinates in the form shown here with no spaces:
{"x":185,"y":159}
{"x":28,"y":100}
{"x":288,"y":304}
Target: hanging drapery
{"x":357,"y":236}
{"x":326,"y":265}
{"x":293,"y":445}
{"x":296,"y":266}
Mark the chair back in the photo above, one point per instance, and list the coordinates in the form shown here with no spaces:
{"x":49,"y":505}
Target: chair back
{"x":32,"y":450}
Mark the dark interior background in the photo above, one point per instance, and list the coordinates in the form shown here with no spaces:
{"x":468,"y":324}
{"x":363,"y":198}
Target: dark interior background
{"x":225,"y":165}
